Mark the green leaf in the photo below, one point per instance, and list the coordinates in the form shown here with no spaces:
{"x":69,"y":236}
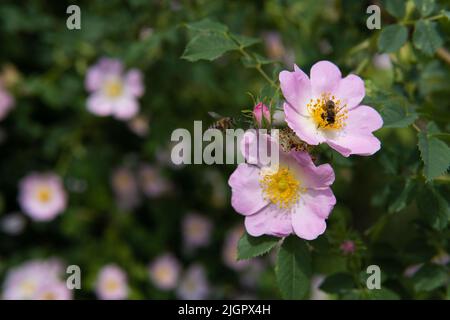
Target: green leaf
{"x":425,"y":7}
{"x":245,"y":41}
{"x":250,"y":247}
{"x":435,"y":155}
{"x":208,"y":46}
{"x":396,"y":8}
{"x":337,"y":283}
{"x":430,"y":277}
{"x":293,"y":268}
{"x":207,"y":25}
{"x":381,"y":294}
{"x":394,"y":108}
{"x":433,"y":207}
{"x":404,"y":198}
{"x":426,"y":38}
{"x":392,"y":38}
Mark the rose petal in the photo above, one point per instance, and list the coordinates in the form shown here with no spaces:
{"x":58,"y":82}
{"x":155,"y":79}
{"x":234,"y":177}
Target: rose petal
{"x":296,"y":88}
{"x":304,"y":127}
{"x":271,"y":220}
{"x":306,"y":223}
{"x":350,"y":91}
{"x":325,"y":77}
{"x":247,"y":196}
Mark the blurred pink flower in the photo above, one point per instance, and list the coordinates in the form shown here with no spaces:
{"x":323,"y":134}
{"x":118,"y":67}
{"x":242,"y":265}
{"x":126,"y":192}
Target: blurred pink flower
{"x":112,"y":283}
{"x":152,"y":182}
{"x":113,"y":92}
{"x":382,"y":61}
{"x":411,"y":270}
{"x":315,"y":292}
{"x":125,"y":188}
{"x":326,"y":108}
{"x":230,"y":250}
{"x":296,"y":198}
{"x":139,"y":125}
{"x":260,"y":111}
{"x":348,"y":247}
{"x":42,"y":196}
{"x":164,"y":272}
{"x":196,"y":230}
{"x":274,"y":45}
{"x":6,"y":102}
{"x":36,"y":280}
{"x":194,"y":285}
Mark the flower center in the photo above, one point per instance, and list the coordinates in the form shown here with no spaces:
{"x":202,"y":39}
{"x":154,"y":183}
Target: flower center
{"x":44,"y":194}
{"x":111,"y":285}
{"x":114,"y":88}
{"x":327,"y":112}
{"x":281,"y":188}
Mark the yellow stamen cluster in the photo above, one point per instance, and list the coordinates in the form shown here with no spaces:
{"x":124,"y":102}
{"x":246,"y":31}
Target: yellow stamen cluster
{"x":44,"y":194}
{"x":318,"y":110}
{"x":281,"y":188}
{"x":114,"y":89}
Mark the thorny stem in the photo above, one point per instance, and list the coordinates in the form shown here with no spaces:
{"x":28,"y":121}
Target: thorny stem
{"x":416,"y":127}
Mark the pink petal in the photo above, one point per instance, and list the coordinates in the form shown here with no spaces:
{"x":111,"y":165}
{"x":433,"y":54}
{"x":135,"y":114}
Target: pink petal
{"x":247,"y":196}
{"x":321,"y":201}
{"x":133,"y":83}
{"x":311,"y":176}
{"x":347,"y":144}
{"x":363,"y":119}
{"x":125,"y":108}
{"x":296,"y":88}
{"x":325,"y":77}
{"x":351,"y":90}
{"x":99,"y":105}
{"x":304,"y":127}
{"x":271,"y":220}
{"x":357,"y":137}
{"x":306,"y":223}
{"x":256,"y":147}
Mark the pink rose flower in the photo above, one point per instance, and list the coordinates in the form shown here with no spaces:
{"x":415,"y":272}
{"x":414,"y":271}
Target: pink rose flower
{"x":260,"y":111}
{"x":165,"y":271}
{"x":194,"y":284}
{"x":112,"y":283}
{"x":196,"y":230}
{"x":6,"y":102}
{"x":230,"y":254}
{"x":326,"y":109}
{"x":42,"y":196}
{"x":348,"y":247}
{"x":295,"y":199}
{"x":36,"y":280}
{"x":113,"y":92}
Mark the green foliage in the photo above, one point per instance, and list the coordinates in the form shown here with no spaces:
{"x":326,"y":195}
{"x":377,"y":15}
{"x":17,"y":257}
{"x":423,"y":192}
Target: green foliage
{"x":293,"y":268}
{"x":434,"y":152}
{"x":392,"y":38}
{"x":251,"y":247}
{"x":426,"y":38}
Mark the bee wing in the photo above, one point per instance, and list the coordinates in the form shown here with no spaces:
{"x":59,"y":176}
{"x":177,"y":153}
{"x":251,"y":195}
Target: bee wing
{"x":215,"y":115}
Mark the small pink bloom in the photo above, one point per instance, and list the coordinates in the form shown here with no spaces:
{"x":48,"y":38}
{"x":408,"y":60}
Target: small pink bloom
{"x":36,"y":280}
{"x":348,"y":247}
{"x":411,"y":270}
{"x":153,"y":183}
{"x":113,"y":91}
{"x":42,"y":196}
{"x":296,"y":198}
{"x":260,"y":112}
{"x":126,"y":188}
{"x":194,"y":285}
{"x":112,"y":283}
{"x":196,"y":230}
{"x":325,"y":108}
{"x":6,"y":102}
{"x":165,"y":271}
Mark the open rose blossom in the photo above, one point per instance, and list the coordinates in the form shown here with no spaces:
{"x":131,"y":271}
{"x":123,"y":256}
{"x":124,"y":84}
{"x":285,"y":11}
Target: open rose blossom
{"x":112,"y":283}
{"x":325,"y":108}
{"x":294,"y":199}
{"x":36,"y":280}
{"x":42,"y":196}
{"x":164,"y":271}
{"x":113,"y":91}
